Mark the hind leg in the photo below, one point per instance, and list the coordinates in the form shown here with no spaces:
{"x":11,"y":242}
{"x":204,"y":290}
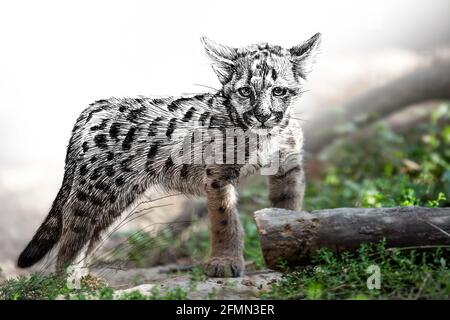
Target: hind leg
{"x":85,"y":245}
{"x":79,"y":268}
{"x":98,"y":234}
{"x":72,"y":252}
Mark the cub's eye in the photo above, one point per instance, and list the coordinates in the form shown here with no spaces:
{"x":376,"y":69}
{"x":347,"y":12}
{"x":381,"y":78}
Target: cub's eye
{"x":279,"y":91}
{"x":245,"y":92}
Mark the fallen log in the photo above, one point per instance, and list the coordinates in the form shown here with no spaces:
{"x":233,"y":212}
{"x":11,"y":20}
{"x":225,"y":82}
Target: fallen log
{"x":294,"y":237}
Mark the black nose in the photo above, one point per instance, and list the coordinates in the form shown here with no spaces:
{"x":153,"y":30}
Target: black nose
{"x":262,"y":117}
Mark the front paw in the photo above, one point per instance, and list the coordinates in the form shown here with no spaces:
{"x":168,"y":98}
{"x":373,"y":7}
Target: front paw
{"x":224,"y":267}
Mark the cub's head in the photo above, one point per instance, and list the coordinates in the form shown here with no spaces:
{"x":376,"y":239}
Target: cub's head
{"x":262,"y":81}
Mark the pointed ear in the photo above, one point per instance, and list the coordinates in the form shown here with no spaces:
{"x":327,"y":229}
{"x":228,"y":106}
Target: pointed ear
{"x":303,"y":55}
{"x":222,"y":57}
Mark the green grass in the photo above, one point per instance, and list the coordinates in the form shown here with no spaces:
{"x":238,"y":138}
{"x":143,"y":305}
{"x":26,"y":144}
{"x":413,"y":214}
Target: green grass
{"x":50,"y":287}
{"x":387,"y":169}
{"x":156,"y":294}
{"x":404,"y":274}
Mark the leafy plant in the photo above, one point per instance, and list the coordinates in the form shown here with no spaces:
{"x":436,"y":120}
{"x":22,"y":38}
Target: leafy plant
{"x":49,"y":287}
{"x":405,"y":274}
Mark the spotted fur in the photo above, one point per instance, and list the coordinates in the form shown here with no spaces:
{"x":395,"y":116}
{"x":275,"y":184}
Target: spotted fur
{"x":121,"y":147}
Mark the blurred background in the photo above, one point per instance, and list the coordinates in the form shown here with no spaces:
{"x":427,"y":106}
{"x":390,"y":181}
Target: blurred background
{"x":377,"y":58}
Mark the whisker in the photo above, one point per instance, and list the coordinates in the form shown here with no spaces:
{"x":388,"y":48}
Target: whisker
{"x":205,"y":86}
{"x":304,"y":91}
{"x":299,"y":119}
{"x":121,"y":224}
{"x":129,"y":215}
{"x":155,"y":243}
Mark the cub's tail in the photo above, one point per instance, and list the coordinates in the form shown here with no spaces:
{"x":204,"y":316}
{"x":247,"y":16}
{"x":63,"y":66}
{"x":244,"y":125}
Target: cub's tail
{"x":43,"y":241}
{"x":49,"y":232}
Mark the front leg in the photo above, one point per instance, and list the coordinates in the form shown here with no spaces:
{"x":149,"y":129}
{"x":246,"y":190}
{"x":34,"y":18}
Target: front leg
{"x":227,"y":240}
{"x":287,"y":186}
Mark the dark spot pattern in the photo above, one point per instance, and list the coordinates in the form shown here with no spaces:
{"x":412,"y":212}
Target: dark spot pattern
{"x":199,"y":97}
{"x":231,"y":173}
{"x":79,"y":213}
{"x":114,"y":131}
{"x":83,"y":170}
{"x":184,"y":170}
{"x":101,"y":141}
{"x":127,"y":142}
{"x":175,"y":105}
{"x":109,"y":170}
{"x":158,"y":101}
{"x":110,"y":156}
{"x":85,"y":146}
{"x":247,"y":147}
{"x":75,"y":128}
{"x":153,"y":150}
{"x":134,"y":114}
{"x":274,"y":74}
{"x":91,"y":114}
{"x":189,"y":114}
{"x":82,"y":196}
{"x":153,"y":127}
{"x":100,"y":126}
{"x":125,"y":164}
{"x":294,"y":170}
{"x":278,"y":116}
{"x":212,"y":122}
{"x":78,"y":228}
{"x":215,"y":184}
{"x":102,"y":186}
{"x":203,"y":117}
{"x":96,"y":201}
{"x":169,"y":163}
{"x":171,"y":127}
{"x":120,"y":182}
{"x":96,"y":173}
{"x":238,"y":121}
